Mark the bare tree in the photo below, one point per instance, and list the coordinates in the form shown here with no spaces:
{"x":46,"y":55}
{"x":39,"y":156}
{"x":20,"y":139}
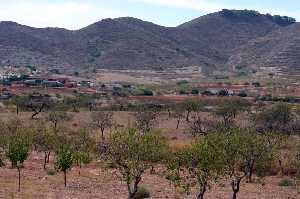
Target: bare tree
{"x":102,"y":120}
{"x":177,"y":112}
{"x":58,"y":116}
{"x":38,"y":104}
{"x":200,"y":126}
{"x":146,"y":120}
{"x":190,"y":106}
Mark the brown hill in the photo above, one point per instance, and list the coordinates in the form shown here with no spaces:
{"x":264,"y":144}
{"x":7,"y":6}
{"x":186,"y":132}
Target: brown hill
{"x":130,"y":43}
{"x":280,"y":49}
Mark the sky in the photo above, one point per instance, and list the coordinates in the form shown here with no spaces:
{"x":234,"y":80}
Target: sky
{"x":76,"y":14}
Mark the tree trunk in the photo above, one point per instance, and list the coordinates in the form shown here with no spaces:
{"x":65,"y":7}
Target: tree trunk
{"x":281,"y":167}
{"x":152,"y":171}
{"x":234,"y":195}
{"x":19,"y":171}
{"x":48,"y":157}
{"x":202,"y":192}
{"x":178,"y":121}
{"x":102,"y":133}
{"x":169,"y":112}
{"x":251,"y":168}
{"x":79,"y":169}
{"x":130,"y":195}
{"x":132,"y":191}
{"x":34,"y":114}
{"x":235,"y":184}
{"x":45,"y":160}
{"x":188,"y":116}
{"x":65,"y":177}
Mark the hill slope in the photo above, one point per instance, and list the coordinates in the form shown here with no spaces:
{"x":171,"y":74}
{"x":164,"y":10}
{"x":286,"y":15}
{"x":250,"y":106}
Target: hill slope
{"x":279,"y":49}
{"x":129,"y":43}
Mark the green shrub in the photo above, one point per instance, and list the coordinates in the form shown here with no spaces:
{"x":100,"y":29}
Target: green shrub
{"x":142,"y":193}
{"x":286,"y":183}
{"x":51,"y":172}
{"x":182,"y":82}
{"x":148,"y":93}
{"x":195,"y":91}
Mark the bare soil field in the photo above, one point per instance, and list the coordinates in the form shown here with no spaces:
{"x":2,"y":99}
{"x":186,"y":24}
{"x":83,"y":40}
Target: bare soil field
{"x":96,"y":180}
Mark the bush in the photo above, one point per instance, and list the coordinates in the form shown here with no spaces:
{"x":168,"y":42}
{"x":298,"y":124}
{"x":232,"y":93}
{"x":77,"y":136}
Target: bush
{"x":182,"y":82}
{"x":183,"y":92}
{"x":148,"y":93}
{"x":223,"y":92}
{"x":256,"y":84}
{"x":51,"y":172}
{"x":195,"y":91}
{"x":142,"y":193}
{"x":286,"y":183}
{"x":242,"y":94}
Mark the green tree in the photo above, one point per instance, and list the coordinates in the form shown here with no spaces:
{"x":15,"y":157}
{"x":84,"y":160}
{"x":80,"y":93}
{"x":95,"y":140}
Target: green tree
{"x":64,"y":160}
{"x":202,"y":163}
{"x":228,"y":109}
{"x":246,"y":150}
{"x":133,"y":153}
{"x":83,"y":145}
{"x":44,"y":140}
{"x":277,"y":118}
{"x":82,"y":158}
{"x":18,"y":149}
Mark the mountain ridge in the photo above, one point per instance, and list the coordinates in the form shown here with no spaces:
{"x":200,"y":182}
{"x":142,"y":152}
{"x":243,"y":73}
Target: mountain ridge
{"x":130,"y":43}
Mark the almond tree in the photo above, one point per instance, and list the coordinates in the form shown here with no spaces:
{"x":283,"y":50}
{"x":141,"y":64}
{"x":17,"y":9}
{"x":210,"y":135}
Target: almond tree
{"x":278,"y":117}
{"x":228,"y":110}
{"x":83,"y":145}
{"x":178,"y":114}
{"x":202,"y":163}
{"x":191,"y":106}
{"x":18,"y":150}
{"x":102,"y":120}
{"x":200,"y":126}
{"x":133,"y":153}
{"x":37,"y":104}
{"x":44,"y":140}
{"x":64,"y":160}
{"x":244,"y":150}
{"x":146,"y":120}
{"x":58,"y":116}
{"x":20,"y":102}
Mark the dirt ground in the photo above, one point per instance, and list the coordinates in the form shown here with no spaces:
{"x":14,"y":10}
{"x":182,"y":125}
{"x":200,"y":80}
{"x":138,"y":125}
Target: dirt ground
{"x":96,"y":181}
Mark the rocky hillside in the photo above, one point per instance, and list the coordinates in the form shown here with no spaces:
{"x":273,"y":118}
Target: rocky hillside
{"x":280,"y":49}
{"x":209,"y":41}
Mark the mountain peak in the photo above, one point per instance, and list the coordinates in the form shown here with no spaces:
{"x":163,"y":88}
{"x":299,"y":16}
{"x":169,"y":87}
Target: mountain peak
{"x":9,"y":23}
{"x":252,"y":14}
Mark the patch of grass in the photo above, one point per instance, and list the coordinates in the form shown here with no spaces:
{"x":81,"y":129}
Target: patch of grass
{"x":286,"y":183}
{"x":51,"y":172}
{"x":142,"y":193}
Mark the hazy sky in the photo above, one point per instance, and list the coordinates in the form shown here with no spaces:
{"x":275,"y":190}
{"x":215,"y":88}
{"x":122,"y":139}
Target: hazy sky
{"x":75,"y":14}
